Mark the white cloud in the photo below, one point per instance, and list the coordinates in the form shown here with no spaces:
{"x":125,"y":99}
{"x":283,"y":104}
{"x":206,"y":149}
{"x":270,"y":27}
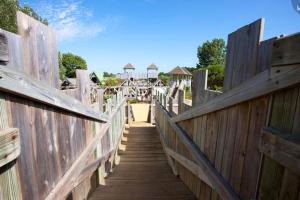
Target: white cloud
{"x":70,"y":19}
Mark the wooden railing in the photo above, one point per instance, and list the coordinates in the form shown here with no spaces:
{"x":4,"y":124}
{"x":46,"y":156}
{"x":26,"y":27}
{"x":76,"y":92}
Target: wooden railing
{"x":244,"y":143}
{"x":53,"y":144}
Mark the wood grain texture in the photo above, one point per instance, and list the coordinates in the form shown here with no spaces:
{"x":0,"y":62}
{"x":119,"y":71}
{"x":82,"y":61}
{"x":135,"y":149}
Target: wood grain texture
{"x":286,"y":50}
{"x":143,"y":172}
{"x":242,"y":52}
{"x":39,"y":50}
{"x":4,"y":53}
{"x":221,"y":186}
{"x":283,"y":148}
{"x":9,"y":145}
{"x":260,"y":85}
{"x":9,"y":180}
{"x":27,"y":87}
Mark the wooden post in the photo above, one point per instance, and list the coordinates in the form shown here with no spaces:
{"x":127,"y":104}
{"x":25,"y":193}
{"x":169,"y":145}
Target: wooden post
{"x":199,"y":86}
{"x":180,"y":100}
{"x":10,"y":188}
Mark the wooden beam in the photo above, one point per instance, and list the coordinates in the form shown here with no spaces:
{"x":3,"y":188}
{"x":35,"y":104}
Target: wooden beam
{"x":164,"y":145}
{"x":286,"y":50}
{"x":67,"y":182}
{"x":262,"y":84}
{"x":9,"y":145}
{"x":89,"y":169}
{"x":4,"y":53}
{"x":219,"y":184}
{"x":283,"y":148}
{"x":190,"y":165}
{"x":17,"y":83}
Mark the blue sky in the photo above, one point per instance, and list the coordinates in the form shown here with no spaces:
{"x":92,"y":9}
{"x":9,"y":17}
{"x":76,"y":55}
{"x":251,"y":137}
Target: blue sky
{"x":111,"y":33}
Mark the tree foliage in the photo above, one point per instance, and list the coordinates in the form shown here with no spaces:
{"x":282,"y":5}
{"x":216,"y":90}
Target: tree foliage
{"x":215,"y":77}
{"x":68,"y":63}
{"x":107,"y":74}
{"x":8,"y":14}
{"x":62,"y":69}
{"x":211,"y":53}
{"x":112,"y":81}
{"x":164,"y":77}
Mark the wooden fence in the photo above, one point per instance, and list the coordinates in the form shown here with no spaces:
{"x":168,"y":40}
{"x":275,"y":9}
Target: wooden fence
{"x":244,"y":143}
{"x":53,"y":144}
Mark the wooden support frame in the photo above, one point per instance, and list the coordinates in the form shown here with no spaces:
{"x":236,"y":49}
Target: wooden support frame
{"x":219,"y":184}
{"x":283,"y":148}
{"x":9,"y":145}
{"x":69,"y":180}
{"x":17,"y":83}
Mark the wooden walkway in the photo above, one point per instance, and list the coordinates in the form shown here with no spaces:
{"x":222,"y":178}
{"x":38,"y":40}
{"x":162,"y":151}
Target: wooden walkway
{"x":143,"y":172}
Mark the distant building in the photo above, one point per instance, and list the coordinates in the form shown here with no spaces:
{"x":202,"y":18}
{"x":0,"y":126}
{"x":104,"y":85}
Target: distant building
{"x":152,"y":71}
{"x":128,"y":68}
{"x":179,"y":74}
{"x":129,"y":73}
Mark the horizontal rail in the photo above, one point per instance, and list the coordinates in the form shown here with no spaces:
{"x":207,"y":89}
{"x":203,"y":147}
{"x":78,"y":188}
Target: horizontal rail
{"x":62,"y":188}
{"x":17,"y":83}
{"x":283,"y":148}
{"x":262,"y":84}
{"x":220,"y":185}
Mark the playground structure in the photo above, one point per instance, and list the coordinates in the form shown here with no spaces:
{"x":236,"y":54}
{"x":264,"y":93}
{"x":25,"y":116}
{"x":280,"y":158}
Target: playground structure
{"x":242,"y":143}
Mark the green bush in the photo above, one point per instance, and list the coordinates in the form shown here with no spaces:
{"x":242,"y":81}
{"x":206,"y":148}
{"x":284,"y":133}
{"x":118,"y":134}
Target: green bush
{"x":215,"y":77}
{"x":112,"y":81}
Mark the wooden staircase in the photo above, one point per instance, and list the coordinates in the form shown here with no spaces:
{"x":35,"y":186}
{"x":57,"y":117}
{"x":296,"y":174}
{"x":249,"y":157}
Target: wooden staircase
{"x":143,"y":172}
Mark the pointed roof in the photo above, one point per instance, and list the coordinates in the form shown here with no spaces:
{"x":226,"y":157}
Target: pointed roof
{"x":128,"y":66}
{"x":180,"y":71}
{"x":152,"y":66}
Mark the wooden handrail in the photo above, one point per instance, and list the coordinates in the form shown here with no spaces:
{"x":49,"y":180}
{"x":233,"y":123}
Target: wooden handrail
{"x":17,"y":83}
{"x":262,"y":84}
{"x":219,"y":184}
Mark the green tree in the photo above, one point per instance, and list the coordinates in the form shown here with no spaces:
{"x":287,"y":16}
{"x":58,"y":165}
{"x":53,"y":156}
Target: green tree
{"x":8,"y":14}
{"x":211,"y":53}
{"x":215,"y":77}
{"x":62,"y":69}
{"x":107,"y":74}
{"x":164,"y":77}
{"x":72,"y":62}
{"x":112,"y":81}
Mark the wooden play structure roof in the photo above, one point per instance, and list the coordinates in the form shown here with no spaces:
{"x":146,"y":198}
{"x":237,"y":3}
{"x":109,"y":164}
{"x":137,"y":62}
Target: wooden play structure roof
{"x":152,"y":67}
{"x":180,"y":71}
{"x":128,"y":66}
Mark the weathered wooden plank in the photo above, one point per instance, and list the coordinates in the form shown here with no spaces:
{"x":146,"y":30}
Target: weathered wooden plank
{"x":220,"y":185}
{"x":38,"y":42}
{"x":260,"y":85}
{"x":19,"y":84}
{"x":283,"y":148}
{"x":9,"y":145}
{"x":242,"y":51}
{"x":4,"y":53}
{"x":9,"y":181}
{"x":286,"y":50}
{"x":264,"y":60}
{"x":165,"y":146}
{"x":190,"y":165}
{"x":62,"y":188}
{"x":252,"y":162}
{"x":281,"y":117}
